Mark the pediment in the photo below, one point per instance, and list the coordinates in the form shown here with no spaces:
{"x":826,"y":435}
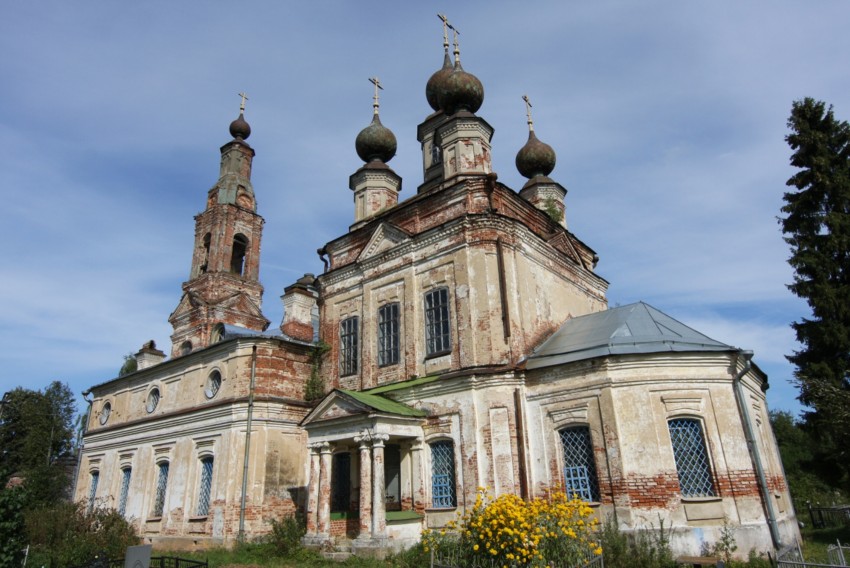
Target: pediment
{"x":240,"y":303}
{"x":187,"y":303}
{"x":384,"y":237}
{"x":335,"y":406}
{"x":562,"y":243}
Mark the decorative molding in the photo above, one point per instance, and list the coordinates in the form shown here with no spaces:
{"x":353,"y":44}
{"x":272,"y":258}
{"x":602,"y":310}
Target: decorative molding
{"x":678,"y":404}
{"x":576,"y":413}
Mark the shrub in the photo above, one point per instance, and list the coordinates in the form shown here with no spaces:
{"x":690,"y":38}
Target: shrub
{"x":12,"y":503}
{"x":512,"y":531}
{"x":68,"y":534}
{"x":286,"y":534}
{"x":647,"y":548}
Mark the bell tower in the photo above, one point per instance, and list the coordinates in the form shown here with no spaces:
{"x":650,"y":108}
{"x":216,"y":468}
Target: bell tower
{"x":223,"y":286}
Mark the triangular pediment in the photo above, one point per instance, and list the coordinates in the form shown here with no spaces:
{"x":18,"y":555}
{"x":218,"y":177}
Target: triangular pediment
{"x":240,"y":303}
{"x":334,"y":406}
{"x":187,"y":303}
{"x":384,"y":237}
{"x":562,"y":243}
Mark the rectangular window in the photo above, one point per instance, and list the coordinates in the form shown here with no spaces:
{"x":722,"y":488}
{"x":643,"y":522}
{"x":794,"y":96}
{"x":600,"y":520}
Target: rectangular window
{"x":438,"y":337}
{"x":692,"y":465}
{"x":161,"y":484}
{"x":125,"y":490}
{"x":348,"y":346}
{"x":443,"y":475}
{"x":388,"y":334}
{"x":341,"y":484}
{"x":95,"y":477}
{"x":579,"y":466}
{"x":206,"y":487}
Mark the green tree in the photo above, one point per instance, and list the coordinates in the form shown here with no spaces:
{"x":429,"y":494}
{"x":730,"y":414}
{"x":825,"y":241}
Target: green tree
{"x":130,"y":365}
{"x":816,"y":224}
{"x":36,"y":433}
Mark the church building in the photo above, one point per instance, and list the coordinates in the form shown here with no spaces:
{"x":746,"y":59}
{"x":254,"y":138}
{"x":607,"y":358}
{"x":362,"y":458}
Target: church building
{"x":456,"y":339}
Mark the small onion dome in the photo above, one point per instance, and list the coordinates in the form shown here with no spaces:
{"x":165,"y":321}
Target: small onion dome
{"x":461,"y":91}
{"x":535,"y":158}
{"x":239,"y":129}
{"x":435,"y":84}
{"x":375,"y":142}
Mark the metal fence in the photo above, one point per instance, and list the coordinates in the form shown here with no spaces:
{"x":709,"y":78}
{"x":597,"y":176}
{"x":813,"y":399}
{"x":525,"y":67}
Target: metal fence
{"x":453,"y":560}
{"x":792,"y":557}
{"x":829,"y":516}
{"x":156,"y":562}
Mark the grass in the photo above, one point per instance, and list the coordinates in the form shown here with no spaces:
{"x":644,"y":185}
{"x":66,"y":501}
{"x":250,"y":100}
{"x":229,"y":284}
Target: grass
{"x":816,"y":541}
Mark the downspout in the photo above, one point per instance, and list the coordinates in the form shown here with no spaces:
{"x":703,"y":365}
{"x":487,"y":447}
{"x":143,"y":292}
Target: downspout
{"x":753,"y":448}
{"x":85,"y":428}
{"x":520,"y":442}
{"x":241,"y":534}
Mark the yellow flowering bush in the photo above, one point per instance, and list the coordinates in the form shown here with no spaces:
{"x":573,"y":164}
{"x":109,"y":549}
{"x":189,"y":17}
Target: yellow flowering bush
{"x":510,"y":531}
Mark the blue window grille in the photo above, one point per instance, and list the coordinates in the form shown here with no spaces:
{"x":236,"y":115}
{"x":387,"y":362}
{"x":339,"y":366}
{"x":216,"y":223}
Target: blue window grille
{"x":125,"y":490}
{"x":206,"y":486}
{"x":95,"y":477}
{"x":161,"y":485}
{"x":341,"y":484}
{"x":443,"y":494}
{"x":579,"y":466}
{"x":388,"y":334}
{"x":438,"y":338}
{"x":692,"y":465}
{"x":348,"y":346}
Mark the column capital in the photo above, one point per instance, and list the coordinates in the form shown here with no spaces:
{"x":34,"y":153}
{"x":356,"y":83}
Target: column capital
{"x":417,"y":445}
{"x":319,"y":447}
{"x":378,"y":440}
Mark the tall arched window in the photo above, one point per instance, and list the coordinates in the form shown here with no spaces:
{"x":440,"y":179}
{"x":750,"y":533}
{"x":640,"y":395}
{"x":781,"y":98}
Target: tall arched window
{"x":579,"y":466}
{"x":443,"y":495}
{"x":240,"y":248}
{"x":206,"y":260}
{"x":161,"y":486}
{"x":125,"y":490}
{"x":692,"y":465}
{"x":95,"y":477}
{"x":205,"y":487}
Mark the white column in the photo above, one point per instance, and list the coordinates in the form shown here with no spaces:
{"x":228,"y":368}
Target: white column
{"x":313,"y":492}
{"x":324,"y":525}
{"x":365,"y":487}
{"x":379,"y":509}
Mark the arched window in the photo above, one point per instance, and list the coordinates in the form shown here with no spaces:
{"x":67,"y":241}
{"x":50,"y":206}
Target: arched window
{"x":348,"y":346}
{"x":125,"y":490}
{"x":579,"y":466}
{"x":153,"y":400}
{"x":217,"y":333}
{"x":443,"y":495}
{"x":388,"y":334}
{"x":161,"y":486}
{"x":240,"y":248}
{"x":95,"y":477}
{"x":205,"y":487}
{"x":105,"y":411}
{"x":692,"y":465}
{"x":438,"y":337}
{"x":185,"y":348}
{"x":206,"y":259}
{"x":213,"y":384}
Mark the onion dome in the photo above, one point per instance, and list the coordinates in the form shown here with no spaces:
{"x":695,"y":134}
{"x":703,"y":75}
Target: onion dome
{"x":435,"y":84}
{"x":536,"y":158}
{"x":375,"y":142}
{"x":460,"y":90}
{"x":239,"y":128}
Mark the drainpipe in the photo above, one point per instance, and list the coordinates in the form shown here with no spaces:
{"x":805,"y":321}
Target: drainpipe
{"x":241,"y":535}
{"x":85,"y":428}
{"x":753,"y":448}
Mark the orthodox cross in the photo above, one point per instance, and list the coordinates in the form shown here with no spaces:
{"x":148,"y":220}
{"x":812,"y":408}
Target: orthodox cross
{"x":446,"y":27}
{"x":528,"y":112}
{"x":377,"y":83}
{"x":242,"y":104}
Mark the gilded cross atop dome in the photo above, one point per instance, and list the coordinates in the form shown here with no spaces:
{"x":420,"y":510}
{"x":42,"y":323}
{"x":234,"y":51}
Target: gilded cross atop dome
{"x":528,"y":113}
{"x":376,"y":102}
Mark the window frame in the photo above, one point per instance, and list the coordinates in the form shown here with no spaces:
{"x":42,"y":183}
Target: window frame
{"x":160,"y":489}
{"x":205,"y":485}
{"x":126,"y":476}
{"x":444,"y":480}
{"x":438,"y":319}
{"x":94,"y":479}
{"x":695,"y":473}
{"x":349,"y":346}
{"x":389,"y":320}
{"x":581,"y":476}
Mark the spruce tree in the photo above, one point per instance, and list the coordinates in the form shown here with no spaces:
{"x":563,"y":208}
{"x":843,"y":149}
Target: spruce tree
{"x":816,"y":225}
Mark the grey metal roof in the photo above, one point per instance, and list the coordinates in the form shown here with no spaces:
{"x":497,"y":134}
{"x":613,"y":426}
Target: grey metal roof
{"x":635,"y":328}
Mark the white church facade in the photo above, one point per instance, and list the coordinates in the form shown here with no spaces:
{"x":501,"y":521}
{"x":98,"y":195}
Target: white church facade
{"x":458,"y":338}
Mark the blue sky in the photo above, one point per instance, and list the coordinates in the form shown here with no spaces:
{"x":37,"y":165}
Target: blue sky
{"x":668,"y":119}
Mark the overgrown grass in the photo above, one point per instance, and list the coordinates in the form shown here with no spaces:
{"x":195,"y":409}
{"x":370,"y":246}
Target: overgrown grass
{"x":816,"y":541}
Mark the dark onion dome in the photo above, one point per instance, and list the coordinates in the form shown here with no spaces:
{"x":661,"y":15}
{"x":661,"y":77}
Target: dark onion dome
{"x":239,"y":129}
{"x":536,"y":158}
{"x":460,"y":91}
{"x":435,"y":83}
{"x":376,"y":142}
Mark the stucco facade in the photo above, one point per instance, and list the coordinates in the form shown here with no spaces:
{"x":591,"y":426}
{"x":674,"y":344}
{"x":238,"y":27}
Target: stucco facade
{"x":462,"y":339}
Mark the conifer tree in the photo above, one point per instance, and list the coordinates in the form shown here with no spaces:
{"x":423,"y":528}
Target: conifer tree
{"x":816,"y":225}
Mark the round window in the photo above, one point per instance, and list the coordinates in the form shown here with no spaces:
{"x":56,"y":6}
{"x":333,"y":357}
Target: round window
{"x":105,"y":411}
{"x":153,"y":400}
{"x":213,"y":384}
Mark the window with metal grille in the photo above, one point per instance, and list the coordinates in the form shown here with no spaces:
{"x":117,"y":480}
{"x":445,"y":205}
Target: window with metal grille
{"x":438,"y":338}
{"x":388,"y":334}
{"x":125,"y":490}
{"x":161,"y":484}
{"x":95,"y":477}
{"x":348,"y":346}
{"x":443,"y":475}
{"x":341,"y":484}
{"x":579,"y":466}
{"x":206,"y":486}
{"x":692,"y":465}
